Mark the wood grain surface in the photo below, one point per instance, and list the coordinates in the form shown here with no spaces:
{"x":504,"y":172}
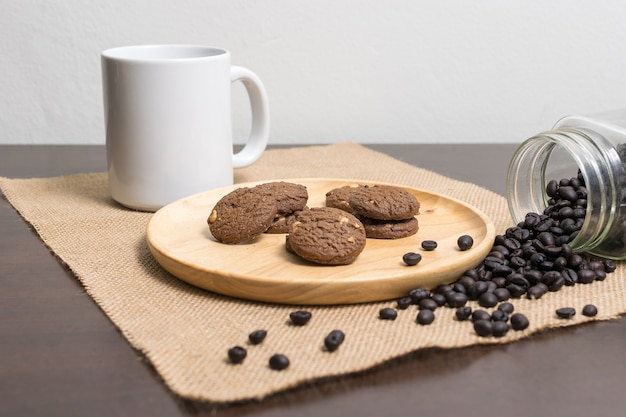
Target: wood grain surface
{"x":180,"y":240}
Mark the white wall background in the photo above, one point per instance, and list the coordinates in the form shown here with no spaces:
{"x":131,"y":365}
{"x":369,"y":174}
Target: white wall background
{"x":367,"y":71}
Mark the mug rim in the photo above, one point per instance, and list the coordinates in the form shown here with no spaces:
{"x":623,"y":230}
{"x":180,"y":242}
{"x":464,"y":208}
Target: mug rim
{"x":163,"y":52}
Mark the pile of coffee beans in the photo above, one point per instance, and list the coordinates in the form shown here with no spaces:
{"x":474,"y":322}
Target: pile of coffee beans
{"x":529,"y":260}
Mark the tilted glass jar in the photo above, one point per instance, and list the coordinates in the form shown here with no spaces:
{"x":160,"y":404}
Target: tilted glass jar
{"x":595,"y":146}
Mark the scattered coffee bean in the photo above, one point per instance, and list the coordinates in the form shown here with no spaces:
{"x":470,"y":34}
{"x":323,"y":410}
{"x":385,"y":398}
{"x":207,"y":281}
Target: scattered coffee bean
{"x":279,"y":362}
{"x":480,"y":315}
{"x":388,"y":313}
{"x":418,"y":294}
{"x":590,"y":310}
{"x":465,"y":242}
{"x":502,"y":293}
{"x":439,"y":299}
{"x":508,"y":308}
{"x":519,"y":322}
{"x":425,"y":317}
{"x":403,"y":303}
{"x":499,"y":328}
{"x":566,"y":312}
{"x":237,"y":354}
{"x":411,"y":258}
{"x":428,"y":304}
{"x":456,"y":299}
{"x":483,"y":328}
{"x":487,"y":300}
{"x":257,"y":336}
{"x":463,"y":313}
{"x":499,"y":315}
{"x":334,"y":340}
{"x":429,"y":245}
{"x":300,"y":317}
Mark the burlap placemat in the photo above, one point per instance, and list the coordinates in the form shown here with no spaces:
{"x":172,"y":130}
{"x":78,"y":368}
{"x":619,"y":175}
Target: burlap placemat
{"x":185,"y":332}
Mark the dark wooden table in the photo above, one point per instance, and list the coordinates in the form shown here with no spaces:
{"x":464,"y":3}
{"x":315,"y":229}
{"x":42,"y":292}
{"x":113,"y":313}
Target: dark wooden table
{"x":61,"y":356}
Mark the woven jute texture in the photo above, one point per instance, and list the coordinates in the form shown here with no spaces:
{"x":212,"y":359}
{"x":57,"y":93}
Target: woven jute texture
{"x":185,"y":332}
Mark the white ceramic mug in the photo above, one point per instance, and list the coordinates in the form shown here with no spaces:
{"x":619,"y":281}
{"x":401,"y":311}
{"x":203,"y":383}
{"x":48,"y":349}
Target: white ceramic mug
{"x":167,"y":110}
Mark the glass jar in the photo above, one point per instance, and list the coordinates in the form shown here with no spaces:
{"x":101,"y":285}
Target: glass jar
{"x":593,"y":147}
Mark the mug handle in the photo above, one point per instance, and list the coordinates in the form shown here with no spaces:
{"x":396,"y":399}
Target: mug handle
{"x":259,"y":104}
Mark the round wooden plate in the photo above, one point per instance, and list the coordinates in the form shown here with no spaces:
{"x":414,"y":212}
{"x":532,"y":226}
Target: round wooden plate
{"x":263,"y":270}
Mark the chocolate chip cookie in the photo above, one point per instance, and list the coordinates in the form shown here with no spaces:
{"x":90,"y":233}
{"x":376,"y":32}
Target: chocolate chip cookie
{"x":289,"y":196}
{"x":339,"y":197}
{"x":327,"y":235}
{"x":384,"y":202}
{"x":389,"y":229}
{"x":242,"y":215}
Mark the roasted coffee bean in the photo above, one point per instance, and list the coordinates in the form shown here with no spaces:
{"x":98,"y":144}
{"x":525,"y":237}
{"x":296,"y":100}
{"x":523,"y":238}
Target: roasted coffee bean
{"x":590,"y":310}
{"x":531,"y":220}
{"x":538,"y":258}
{"x":600,"y":275}
{"x":515,"y":290}
{"x":499,"y":328}
{"x":388,"y":313}
{"x":517,"y":262}
{"x":477,"y":290}
{"x":404,"y":303}
{"x":334,"y":340}
{"x":480,"y":315}
{"x":483,"y":328}
{"x":425,"y":317}
{"x":456,"y":299}
{"x":466,"y":281}
{"x":549,"y":277}
{"x":499,"y":281}
{"x":508,"y":308}
{"x":428,"y":304}
{"x":502,"y":293}
{"x":300,"y":317}
{"x":596,"y":265}
{"x":465,"y":242}
{"x":537,"y":291}
{"x":458,"y":287}
{"x":512,"y":243}
{"x":609,"y":266}
{"x":557,"y":284}
{"x":559,"y":264}
{"x":418,"y":294}
{"x":278,"y":362}
{"x":570,"y":276}
{"x":586,"y":276}
{"x":488,"y":300}
{"x":545,"y":223}
{"x":566,"y":312}
{"x":547,"y":238}
{"x":463,"y":313}
{"x":257,"y":336}
{"x":500,"y":249}
{"x":568,"y":193}
{"x":552,"y":188}
{"x":440,"y":299}
{"x":518,"y":279}
{"x":533,"y":276}
{"x":429,"y":245}
{"x":411,"y":258}
{"x":499,"y":315}
{"x":519,"y":321}
{"x":575,"y":261}
{"x":237,"y":354}
{"x":443,"y":289}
